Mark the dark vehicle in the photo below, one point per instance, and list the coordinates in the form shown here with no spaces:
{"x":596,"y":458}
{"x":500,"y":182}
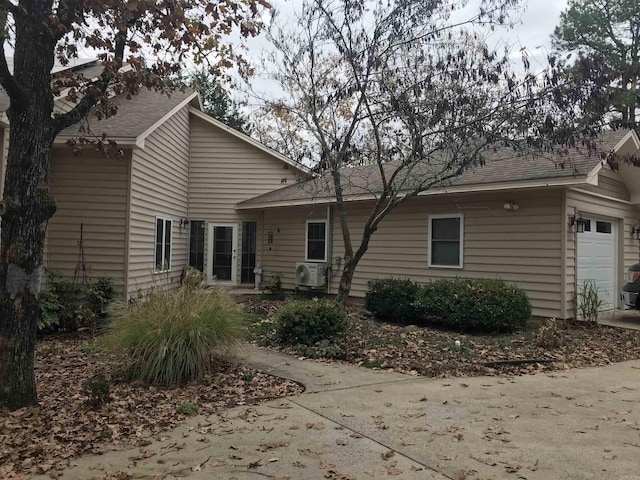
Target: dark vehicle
{"x":631,"y":289}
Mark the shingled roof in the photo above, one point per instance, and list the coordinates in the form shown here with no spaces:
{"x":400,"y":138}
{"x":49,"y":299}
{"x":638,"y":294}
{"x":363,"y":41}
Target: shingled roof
{"x":135,"y":115}
{"x":502,"y":168}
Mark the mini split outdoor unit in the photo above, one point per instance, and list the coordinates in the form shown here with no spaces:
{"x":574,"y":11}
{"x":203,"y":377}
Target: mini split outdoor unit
{"x":310,"y":275}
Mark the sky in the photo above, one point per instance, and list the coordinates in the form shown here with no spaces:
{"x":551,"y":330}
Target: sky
{"x":536,"y":23}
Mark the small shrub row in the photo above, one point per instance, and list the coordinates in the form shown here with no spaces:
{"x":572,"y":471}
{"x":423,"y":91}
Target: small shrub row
{"x":463,"y":304}
{"x":65,"y":305}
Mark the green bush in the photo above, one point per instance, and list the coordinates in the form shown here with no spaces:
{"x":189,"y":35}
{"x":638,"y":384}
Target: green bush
{"x":65,"y":305}
{"x":187,"y":408}
{"x":392,"y":299}
{"x":474,"y":305}
{"x":173,"y":337}
{"x":306,"y":323}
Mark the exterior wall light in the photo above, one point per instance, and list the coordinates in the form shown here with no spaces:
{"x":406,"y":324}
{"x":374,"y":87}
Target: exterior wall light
{"x":577,"y":222}
{"x":635,"y":232}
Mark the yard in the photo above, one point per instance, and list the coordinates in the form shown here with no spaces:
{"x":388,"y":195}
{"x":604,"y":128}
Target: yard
{"x":432,"y":352}
{"x":67,"y":423}
{"x":88,"y":406}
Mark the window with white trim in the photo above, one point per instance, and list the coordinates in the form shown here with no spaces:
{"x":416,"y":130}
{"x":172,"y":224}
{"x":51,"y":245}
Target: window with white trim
{"x":163,"y":245}
{"x":316,"y":244}
{"x":446,"y":237}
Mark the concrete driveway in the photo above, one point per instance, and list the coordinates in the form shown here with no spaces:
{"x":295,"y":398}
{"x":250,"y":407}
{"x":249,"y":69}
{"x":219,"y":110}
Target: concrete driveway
{"x":354,"y":423}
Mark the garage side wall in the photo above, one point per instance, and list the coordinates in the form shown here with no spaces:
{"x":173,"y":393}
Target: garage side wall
{"x":522,"y":246}
{"x":600,"y":201}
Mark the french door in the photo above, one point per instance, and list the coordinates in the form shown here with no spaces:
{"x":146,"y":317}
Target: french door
{"x":222,"y":259}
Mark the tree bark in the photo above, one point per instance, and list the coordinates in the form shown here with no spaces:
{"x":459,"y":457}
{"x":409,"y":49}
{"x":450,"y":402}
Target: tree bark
{"x":27,"y":206}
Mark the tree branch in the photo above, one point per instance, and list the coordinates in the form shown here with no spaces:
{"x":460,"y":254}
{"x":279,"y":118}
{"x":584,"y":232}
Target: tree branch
{"x":16,"y":10}
{"x":98,"y":88}
{"x":13,"y":89}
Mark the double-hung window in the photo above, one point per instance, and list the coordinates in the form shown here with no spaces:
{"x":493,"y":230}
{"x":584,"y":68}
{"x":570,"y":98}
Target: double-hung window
{"x":316,"y":244}
{"x":163,"y":245}
{"x":446,"y":237}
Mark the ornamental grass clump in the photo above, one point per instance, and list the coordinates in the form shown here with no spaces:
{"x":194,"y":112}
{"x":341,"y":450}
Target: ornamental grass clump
{"x":175,"y":337}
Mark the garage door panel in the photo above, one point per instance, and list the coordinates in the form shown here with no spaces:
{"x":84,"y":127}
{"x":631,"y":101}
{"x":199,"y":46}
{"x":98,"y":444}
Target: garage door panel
{"x":597,"y":259}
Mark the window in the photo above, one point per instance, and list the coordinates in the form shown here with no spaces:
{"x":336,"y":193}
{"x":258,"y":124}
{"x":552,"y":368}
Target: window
{"x":603,"y":227}
{"x":163,"y":245}
{"x":196,"y":245}
{"x":317,"y":241}
{"x":446,"y":241}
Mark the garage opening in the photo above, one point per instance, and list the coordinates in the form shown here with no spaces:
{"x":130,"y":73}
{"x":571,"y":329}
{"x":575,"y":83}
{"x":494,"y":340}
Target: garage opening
{"x":596,"y":258}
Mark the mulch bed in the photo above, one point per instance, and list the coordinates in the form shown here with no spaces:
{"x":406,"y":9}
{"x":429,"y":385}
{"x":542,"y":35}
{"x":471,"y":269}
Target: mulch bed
{"x":421,"y":350}
{"x":46,"y":438}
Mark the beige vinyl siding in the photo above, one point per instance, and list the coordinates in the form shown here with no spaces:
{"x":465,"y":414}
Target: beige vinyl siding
{"x":90,"y":190}
{"x":522,"y":247}
{"x":610,"y":185}
{"x":159,"y":188}
{"x":224,"y":170}
{"x":626,"y":214}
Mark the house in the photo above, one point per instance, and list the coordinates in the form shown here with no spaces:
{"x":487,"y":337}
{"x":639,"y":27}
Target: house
{"x":187,"y":190}
{"x":514,"y":218}
{"x":168,"y":198}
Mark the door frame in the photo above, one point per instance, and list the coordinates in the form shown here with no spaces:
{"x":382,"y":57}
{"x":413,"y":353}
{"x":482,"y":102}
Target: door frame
{"x":234,"y":257}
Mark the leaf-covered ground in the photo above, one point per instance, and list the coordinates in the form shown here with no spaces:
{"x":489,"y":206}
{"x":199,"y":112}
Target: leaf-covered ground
{"x":46,"y":438}
{"x":432,"y":352}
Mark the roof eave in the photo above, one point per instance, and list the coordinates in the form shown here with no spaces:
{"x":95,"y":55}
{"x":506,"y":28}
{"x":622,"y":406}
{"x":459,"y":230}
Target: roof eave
{"x":528,"y":184}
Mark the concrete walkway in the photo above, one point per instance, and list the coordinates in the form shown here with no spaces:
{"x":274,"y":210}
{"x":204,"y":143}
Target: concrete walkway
{"x":354,"y":423}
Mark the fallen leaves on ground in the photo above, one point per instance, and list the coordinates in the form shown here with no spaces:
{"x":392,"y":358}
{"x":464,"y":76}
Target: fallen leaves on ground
{"x":432,"y":352}
{"x":45,"y":438}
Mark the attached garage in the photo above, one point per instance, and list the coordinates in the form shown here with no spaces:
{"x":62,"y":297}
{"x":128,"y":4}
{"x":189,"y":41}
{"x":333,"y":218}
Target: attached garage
{"x":597,"y":258}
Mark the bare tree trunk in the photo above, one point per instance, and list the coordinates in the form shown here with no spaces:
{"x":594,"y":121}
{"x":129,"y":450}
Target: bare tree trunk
{"x":26,"y":207}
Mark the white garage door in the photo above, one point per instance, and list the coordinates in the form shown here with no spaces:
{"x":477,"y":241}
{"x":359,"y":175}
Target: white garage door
{"x":597,"y":258}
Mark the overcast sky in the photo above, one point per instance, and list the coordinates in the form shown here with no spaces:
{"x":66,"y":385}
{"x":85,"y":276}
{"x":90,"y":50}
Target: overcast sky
{"x":536,"y":23}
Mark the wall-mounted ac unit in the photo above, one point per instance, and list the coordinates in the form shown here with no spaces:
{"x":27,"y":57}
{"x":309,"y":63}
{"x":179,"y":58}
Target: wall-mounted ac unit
{"x":310,"y":274}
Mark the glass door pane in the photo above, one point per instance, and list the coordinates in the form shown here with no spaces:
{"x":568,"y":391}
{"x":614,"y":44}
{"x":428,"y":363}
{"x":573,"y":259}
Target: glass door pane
{"x":249,"y":230}
{"x":222,"y":254}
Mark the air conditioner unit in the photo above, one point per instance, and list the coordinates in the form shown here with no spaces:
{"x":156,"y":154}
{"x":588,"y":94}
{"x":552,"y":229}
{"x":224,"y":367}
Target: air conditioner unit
{"x":310,"y":275}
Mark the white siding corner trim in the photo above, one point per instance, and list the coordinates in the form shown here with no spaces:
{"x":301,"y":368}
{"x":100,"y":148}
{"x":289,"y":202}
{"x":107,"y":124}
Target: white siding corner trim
{"x":460,"y":241}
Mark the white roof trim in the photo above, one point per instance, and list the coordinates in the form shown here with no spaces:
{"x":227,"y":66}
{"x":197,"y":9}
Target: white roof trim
{"x":630,"y":134}
{"x":599,"y":195}
{"x":545,"y":183}
{"x":142,"y":137}
{"x":249,"y":140}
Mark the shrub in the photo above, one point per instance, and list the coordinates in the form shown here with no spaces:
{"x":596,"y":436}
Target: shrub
{"x":187,"y":408}
{"x":392,"y":299}
{"x":176,"y":337}
{"x":98,"y":389}
{"x":309,"y":322}
{"x":548,"y":335}
{"x":65,"y":304}
{"x":466,"y":304}
{"x":192,"y":277}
